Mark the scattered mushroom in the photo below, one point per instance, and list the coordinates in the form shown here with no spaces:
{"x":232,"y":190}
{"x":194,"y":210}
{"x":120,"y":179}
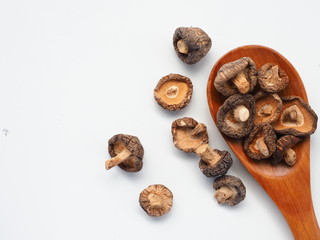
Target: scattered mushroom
{"x":173,"y":92}
{"x":126,"y":152}
{"x":191,"y":44}
{"x":239,"y":76}
{"x":284,"y":150}
{"x":261,"y":142}
{"x":297,"y":118}
{"x":156,"y":200}
{"x":268,"y":107}
{"x":229,"y":189}
{"x":272,"y":78}
{"x":235,"y":117}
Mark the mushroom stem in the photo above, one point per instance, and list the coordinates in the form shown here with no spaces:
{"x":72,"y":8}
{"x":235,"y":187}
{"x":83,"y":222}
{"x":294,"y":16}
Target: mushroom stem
{"x":200,"y":128}
{"x":241,"y":113}
{"x":207,"y":154}
{"x":241,"y":83}
{"x":273,"y":73}
{"x":121,"y":157}
{"x":266,"y":110}
{"x":293,"y":115}
{"x":182,"y":46}
{"x":261,"y":146}
{"x":224,"y":193}
{"x":290,"y":156}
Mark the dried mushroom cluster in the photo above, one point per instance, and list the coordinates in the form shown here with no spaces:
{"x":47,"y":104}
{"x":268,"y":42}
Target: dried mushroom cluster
{"x":270,"y":125}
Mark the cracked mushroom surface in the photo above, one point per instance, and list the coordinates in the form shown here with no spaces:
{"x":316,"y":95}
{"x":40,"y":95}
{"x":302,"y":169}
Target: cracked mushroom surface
{"x":229,"y":189}
{"x":191,"y":44}
{"x":173,"y":92}
{"x":188,"y":134}
{"x":272,"y":78}
{"x":156,"y":200}
{"x":297,"y":118}
{"x":235,"y":117}
{"x":284,"y":150}
{"x":126,"y":152}
{"x":239,"y":76}
{"x":261,"y":143}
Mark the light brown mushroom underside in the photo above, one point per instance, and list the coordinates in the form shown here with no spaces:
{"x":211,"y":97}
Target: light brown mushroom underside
{"x":172,"y":92}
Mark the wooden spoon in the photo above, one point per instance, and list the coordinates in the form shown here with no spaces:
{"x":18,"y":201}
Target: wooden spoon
{"x":289,"y":187}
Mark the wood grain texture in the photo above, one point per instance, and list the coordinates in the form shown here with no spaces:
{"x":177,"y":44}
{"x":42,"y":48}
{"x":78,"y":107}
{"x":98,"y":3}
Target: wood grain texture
{"x":289,"y":187}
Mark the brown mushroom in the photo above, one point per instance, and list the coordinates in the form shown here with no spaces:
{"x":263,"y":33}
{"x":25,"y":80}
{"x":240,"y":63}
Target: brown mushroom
{"x":261,"y":143}
{"x":297,"y":118}
{"x":272,"y":78}
{"x":284,"y":150}
{"x":126,"y":152}
{"x":268,"y":107}
{"x":235,"y":116}
{"x":188,"y":134}
{"x":191,"y":44}
{"x":156,"y":200}
{"x":239,"y":76}
{"x":229,"y":189}
{"x":173,"y":92}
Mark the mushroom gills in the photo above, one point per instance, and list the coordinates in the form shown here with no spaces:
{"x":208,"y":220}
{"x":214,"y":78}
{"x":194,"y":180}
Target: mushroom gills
{"x":225,"y":194}
{"x":123,"y":154}
{"x":241,"y":82}
{"x":173,"y":92}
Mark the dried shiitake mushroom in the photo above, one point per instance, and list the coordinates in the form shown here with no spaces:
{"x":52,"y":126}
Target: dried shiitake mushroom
{"x":229,"y":189}
{"x":191,"y":44}
{"x":261,"y":143}
{"x":188,"y":134}
{"x":272,"y":78}
{"x":235,"y":116}
{"x":126,"y":152}
{"x":173,"y":92}
{"x":156,"y":200}
{"x":284,"y":150}
{"x":268,"y":107}
{"x":297,"y":118}
{"x":239,"y":76}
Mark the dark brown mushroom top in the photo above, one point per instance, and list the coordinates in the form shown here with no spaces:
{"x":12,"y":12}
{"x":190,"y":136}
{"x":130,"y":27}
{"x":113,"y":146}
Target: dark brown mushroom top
{"x":230,"y":190}
{"x":272,"y":78}
{"x":261,"y":143}
{"x":126,"y":152}
{"x":173,"y":92}
{"x":297,"y":118}
{"x":213,"y":162}
{"x":239,"y":76}
{"x":188,"y":134}
{"x":235,"y":116}
{"x":156,"y":200}
{"x":191,"y":44}
{"x":284,"y":150}
{"x":268,"y":107}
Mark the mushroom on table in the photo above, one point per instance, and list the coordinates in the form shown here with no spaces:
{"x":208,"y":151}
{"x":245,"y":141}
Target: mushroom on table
{"x":272,"y":78}
{"x":284,"y":150}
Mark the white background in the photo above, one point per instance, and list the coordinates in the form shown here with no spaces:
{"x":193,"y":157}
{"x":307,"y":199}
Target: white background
{"x":75,"y":72}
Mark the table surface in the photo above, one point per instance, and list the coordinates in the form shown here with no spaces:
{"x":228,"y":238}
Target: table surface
{"x":75,"y":73}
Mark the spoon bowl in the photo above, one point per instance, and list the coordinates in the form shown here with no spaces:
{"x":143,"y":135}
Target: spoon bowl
{"x":289,"y":187}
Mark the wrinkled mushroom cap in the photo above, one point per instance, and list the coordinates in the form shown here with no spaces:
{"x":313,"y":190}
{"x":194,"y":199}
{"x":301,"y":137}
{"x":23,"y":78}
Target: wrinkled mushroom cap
{"x":283,"y":143}
{"x":188,"y":134}
{"x":297,"y":118}
{"x":235,"y":185}
{"x":173,"y":92}
{"x":156,"y":200}
{"x":195,"y":44}
{"x":261,"y":143}
{"x":226,"y":121}
{"x":227,"y":74}
{"x":220,"y":168}
{"x":272,"y":78}
{"x":120,"y":141}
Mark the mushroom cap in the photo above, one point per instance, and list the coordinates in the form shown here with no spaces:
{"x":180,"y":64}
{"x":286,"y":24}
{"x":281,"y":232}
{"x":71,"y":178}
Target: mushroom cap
{"x":220,"y":168}
{"x":272,"y":78}
{"x":268,"y":107}
{"x":173,"y":92}
{"x":305,"y":122}
{"x":223,"y":81}
{"x":231,"y":182}
{"x":260,"y":131}
{"x":156,"y":200}
{"x":188,"y":134}
{"x":283,"y":143}
{"x":197,"y":41}
{"x":225,"y":119}
{"x":120,"y":141}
